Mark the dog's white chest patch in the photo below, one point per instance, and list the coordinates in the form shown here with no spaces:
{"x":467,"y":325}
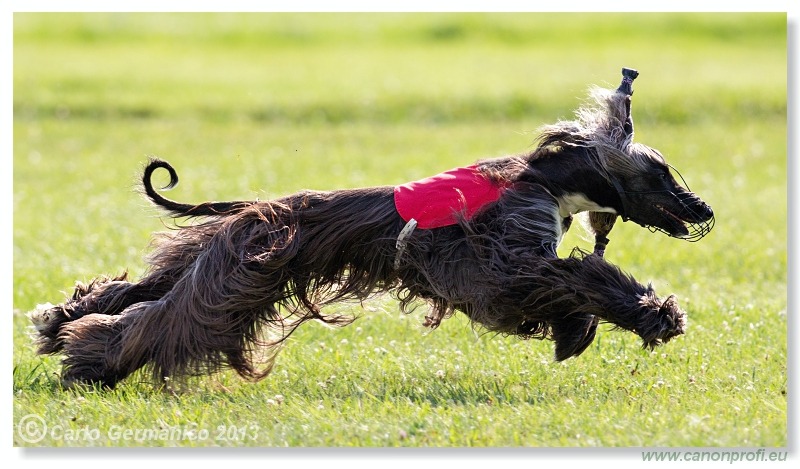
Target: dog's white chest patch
{"x":570,"y":204}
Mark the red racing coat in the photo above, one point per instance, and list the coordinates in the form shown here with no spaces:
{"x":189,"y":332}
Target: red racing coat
{"x":439,"y":200}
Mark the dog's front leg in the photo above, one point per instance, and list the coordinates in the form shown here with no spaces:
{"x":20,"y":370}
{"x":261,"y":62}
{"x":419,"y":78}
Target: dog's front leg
{"x":601,"y":224}
{"x":628,"y":304}
{"x":572,"y":295}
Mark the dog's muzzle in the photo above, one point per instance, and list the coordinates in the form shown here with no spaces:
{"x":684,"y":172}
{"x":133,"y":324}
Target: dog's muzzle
{"x":696,"y":230}
{"x":696,"y":216}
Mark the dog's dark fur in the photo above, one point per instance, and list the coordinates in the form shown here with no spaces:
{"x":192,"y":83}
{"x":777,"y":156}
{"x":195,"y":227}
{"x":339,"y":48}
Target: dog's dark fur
{"x":227,"y":290}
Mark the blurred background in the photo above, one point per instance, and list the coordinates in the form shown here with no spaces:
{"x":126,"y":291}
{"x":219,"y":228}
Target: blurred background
{"x":259,"y":105}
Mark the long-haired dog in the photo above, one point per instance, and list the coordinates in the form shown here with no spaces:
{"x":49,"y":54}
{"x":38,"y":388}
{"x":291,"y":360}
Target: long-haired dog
{"x":227,"y":290}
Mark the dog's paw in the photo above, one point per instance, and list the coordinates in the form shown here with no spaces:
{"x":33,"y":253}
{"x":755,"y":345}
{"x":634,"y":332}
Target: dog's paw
{"x":41,"y":316}
{"x":661,"y":321}
{"x":674,"y":316}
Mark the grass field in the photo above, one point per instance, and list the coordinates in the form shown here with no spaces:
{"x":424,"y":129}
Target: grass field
{"x":248,"y":106}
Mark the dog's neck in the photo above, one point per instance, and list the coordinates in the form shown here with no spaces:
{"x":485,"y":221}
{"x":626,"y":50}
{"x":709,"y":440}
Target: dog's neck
{"x":574,"y":183}
{"x":572,"y":203}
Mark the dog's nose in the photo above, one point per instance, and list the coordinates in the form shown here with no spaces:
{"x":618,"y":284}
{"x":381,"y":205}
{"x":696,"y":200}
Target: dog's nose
{"x":708,"y":212}
{"x":699,"y":211}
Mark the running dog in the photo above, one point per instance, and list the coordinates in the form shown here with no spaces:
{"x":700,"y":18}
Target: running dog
{"x":228,"y":288}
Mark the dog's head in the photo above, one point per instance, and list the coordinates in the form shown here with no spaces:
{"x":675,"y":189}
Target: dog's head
{"x":651,"y":196}
{"x":637,"y":176}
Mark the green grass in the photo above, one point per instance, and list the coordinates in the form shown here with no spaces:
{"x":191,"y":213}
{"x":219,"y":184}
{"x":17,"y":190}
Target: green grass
{"x":249,"y":106}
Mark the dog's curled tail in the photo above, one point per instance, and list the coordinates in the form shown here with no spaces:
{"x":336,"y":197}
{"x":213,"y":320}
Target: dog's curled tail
{"x":177,"y":209}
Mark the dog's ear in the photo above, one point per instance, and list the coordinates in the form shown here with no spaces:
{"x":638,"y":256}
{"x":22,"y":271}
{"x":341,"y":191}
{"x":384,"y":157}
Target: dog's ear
{"x":626,"y":89}
{"x":603,"y":121}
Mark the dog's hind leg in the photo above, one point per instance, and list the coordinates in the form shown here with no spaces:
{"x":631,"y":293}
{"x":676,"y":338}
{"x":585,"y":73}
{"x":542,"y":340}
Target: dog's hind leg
{"x":113,"y":295}
{"x":211,"y":318}
{"x":103,"y":295}
{"x":175,"y":337}
{"x":93,"y":345}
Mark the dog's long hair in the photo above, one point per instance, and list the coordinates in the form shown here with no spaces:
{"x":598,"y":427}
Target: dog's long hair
{"x":227,"y":289}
